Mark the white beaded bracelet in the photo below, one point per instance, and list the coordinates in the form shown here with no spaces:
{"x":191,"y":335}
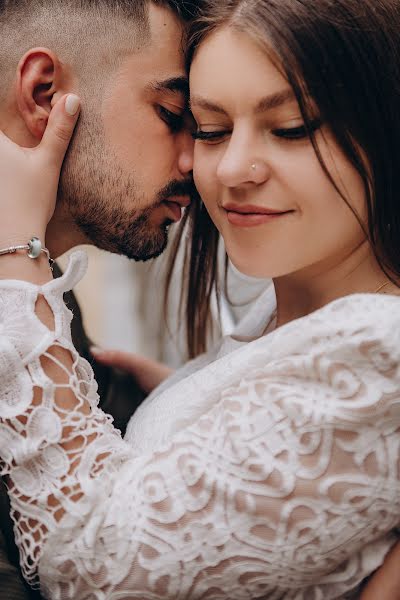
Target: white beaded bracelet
{"x":34,"y":248}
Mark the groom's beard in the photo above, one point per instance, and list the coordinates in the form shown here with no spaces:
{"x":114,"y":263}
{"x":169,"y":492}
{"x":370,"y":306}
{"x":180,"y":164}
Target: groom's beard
{"x":107,"y":204}
{"x":109,"y":224}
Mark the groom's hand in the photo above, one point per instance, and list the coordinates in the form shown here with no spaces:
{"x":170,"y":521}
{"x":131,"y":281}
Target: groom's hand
{"x":148,"y":373}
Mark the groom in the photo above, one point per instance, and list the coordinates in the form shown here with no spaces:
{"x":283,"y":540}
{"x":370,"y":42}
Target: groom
{"x":128,"y":169}
{"x":127,"y":173}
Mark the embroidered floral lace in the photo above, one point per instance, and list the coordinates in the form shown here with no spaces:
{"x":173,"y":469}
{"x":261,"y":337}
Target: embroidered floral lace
{"x":272,"y":472}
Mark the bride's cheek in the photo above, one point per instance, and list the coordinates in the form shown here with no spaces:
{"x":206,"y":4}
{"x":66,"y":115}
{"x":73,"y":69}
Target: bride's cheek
{"x":204,"y":171}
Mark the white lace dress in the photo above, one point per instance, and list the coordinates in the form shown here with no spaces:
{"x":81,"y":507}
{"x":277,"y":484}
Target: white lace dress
{"x":267,"y":469}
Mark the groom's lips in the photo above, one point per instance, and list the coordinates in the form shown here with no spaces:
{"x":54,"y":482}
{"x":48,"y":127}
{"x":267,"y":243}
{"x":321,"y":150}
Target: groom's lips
{"x":175,"y":205}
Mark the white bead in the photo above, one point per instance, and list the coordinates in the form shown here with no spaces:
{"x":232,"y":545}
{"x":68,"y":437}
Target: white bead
{"x":35,"y":247}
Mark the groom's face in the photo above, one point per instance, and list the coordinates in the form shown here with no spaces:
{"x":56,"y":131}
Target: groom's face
{"x":129,"y":166}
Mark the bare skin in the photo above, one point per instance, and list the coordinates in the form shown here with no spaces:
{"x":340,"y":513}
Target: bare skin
{"x":385,"y":584}
{"x":148,"y":373}
{"x":252,"y":157}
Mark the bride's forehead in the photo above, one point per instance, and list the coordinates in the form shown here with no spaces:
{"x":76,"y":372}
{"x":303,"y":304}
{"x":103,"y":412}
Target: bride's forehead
{"x":230,"y":67}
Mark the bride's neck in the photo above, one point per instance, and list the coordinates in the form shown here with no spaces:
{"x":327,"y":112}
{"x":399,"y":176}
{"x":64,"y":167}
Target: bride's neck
{"x":301,"y":293}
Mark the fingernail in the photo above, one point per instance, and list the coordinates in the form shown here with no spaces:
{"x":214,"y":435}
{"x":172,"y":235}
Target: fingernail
{"x":72,"y":104}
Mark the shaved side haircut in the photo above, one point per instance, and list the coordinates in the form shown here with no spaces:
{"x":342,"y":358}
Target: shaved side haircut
{"x":83,"y":33}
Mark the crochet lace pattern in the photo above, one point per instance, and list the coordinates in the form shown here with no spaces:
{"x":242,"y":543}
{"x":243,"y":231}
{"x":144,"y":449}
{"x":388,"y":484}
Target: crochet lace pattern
{"x":271,"y":472}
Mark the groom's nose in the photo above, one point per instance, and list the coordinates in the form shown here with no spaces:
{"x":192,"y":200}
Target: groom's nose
{"x":185,"y":158}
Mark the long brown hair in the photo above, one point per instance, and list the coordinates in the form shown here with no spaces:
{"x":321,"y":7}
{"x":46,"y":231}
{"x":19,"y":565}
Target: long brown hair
{"x":342,"y":56}
{"x":199,"y":238}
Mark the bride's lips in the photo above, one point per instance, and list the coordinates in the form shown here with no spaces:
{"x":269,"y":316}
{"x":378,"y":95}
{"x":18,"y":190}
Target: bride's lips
{"x":250,"y":215}
{"x":175,"y":206}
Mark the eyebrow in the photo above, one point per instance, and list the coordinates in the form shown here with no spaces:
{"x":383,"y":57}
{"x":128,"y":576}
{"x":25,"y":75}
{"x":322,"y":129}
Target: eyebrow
{"x":178,"y":85}
{"x":265,"y":104}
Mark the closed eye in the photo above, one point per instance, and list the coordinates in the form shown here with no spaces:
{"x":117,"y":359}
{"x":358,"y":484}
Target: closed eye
{"x":297,"y":133}
{"x":210,"y":136}
{"x":288,"y":133}
{"x":175,"y":121}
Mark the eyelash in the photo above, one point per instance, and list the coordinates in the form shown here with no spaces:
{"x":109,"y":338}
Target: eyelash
{"x":289,"y":134}
{"x":173,"y":120}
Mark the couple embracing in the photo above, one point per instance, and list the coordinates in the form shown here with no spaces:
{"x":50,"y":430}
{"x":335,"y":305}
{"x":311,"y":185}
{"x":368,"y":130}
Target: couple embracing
{"x":268,"y":466}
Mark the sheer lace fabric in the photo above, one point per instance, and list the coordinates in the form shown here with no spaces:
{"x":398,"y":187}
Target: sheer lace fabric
{"x":271,"y":472}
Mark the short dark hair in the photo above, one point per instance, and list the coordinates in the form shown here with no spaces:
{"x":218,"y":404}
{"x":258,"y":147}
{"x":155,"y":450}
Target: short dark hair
{"x":28,"y":23}
{"x":184,"y":8}
{"x":344,"y":56}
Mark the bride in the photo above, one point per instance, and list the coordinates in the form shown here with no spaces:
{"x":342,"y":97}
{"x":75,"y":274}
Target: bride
{"x":269,"y":467}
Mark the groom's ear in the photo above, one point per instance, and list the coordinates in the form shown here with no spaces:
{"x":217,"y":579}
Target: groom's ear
{"x":41,"y":79}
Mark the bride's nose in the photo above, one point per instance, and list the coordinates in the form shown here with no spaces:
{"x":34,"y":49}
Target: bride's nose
{"x":242,"y":163}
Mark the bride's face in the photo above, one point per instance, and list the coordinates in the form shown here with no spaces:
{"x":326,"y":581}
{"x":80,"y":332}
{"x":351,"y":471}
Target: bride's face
{"x":257,"y":171}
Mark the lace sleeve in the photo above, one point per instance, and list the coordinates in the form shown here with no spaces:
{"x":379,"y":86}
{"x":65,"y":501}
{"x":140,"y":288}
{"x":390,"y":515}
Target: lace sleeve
{"x":274,"y":491}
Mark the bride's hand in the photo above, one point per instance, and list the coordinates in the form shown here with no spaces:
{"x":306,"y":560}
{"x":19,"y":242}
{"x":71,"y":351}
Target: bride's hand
{"x":29,"y":176}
